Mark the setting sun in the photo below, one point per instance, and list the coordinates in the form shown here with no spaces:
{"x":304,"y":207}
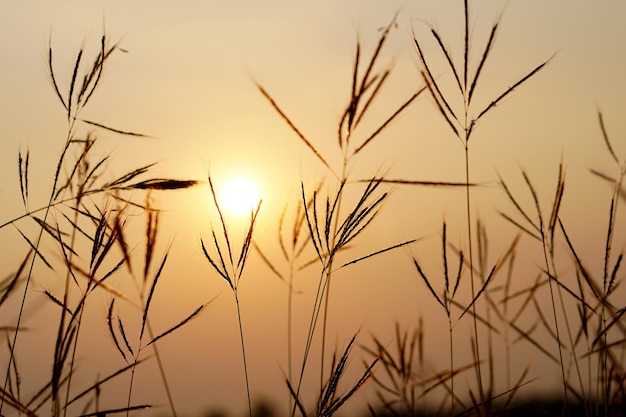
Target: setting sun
{"x":240,"y":196}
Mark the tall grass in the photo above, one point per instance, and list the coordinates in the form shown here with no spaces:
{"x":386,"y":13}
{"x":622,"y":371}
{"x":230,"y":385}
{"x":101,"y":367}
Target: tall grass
{"x":462,"y":120}
{"x":82,"y":236}
{"x":332,"y":227}
{"x":230,"y":270}
{"x":84,"y":221}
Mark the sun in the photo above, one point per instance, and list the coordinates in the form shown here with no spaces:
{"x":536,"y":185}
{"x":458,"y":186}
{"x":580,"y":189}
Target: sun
{"x":240,"y":196}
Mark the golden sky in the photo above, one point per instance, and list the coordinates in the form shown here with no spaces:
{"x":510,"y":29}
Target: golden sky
{"x":187,"y":79}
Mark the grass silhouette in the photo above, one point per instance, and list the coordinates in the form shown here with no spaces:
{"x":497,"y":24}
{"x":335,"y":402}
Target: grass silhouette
{"x":82,"y":236}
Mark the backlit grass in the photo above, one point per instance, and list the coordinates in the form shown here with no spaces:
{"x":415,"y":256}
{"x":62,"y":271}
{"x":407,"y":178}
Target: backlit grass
{"x":564,"y":312}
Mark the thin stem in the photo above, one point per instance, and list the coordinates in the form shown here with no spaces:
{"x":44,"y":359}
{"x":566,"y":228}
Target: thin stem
{"x":451,"y":365}
{"x":243,"y":352}
{"x":467,"y":125}
{"x":289,"y":328}
{"x":130,"y":388}
{"x":556,"y":322}
{"x":67,"y":281}
{"x":505,"y":315}
{"x":166,"y":385}
{"x":157,"y":355}
{"x":471,"y":262}
{"x":330,"y":265}
{"x":604,"y":355}
{"x":569,"y":331}
{"x":324,"y":322}
{"x":323,"y":282}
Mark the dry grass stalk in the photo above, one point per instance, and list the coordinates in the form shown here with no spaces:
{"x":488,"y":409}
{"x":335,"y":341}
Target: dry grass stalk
{"x":232,"y":271}
{"x":545,"y":233}
{"x":330,"y":399}
{"x":331,"y":232}
{"x":77,"y":217}
{"x":463,"y":123}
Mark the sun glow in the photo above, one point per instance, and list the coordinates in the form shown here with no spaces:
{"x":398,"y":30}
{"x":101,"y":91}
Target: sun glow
{"x":240,"y":196}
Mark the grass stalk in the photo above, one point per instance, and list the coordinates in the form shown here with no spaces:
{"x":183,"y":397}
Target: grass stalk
{"x":607,"y":275}
{"x":230,"y":268}
{"x":331,"y":234}
{"x":463,"y":129}
{"x":71,"y":116}
{"x":468,"y":207}
{"x":63,"y":313}
{"x":82,"y":180}
{"x":450,"y":341}
{"x":243,"y":352}
{"x":31,"y":268}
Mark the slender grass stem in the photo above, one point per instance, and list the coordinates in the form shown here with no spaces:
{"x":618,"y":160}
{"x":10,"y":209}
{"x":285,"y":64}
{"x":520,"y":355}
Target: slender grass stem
{"x":451,"y":365}
{"x":157,"y":355}
{"x":131,"y":385}
{"x":141,"y":291}
{"x":569,"y":335}
{"x":553,"y":304}
{"x":289,"y":329}
{"x":166,"y":385}
{"x":323,"y":282}
{"x":604,"y":353}
{"x":66,"y":295}
{"x":243,"y":352}
{"x":324,"y":324}
{"x":344,"y":179}
{"x":471,"y":268}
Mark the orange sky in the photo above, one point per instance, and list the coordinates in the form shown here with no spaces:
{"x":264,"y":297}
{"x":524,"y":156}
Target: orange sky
{"x":187,"y":80}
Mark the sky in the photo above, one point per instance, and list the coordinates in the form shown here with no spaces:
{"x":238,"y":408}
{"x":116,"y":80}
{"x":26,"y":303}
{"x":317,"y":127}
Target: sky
{"x":186,"y":78}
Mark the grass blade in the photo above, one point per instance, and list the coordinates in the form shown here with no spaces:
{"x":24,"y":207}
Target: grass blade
{"x":184,"y":321}
{"x":111,"y":129}
{"x":293,"y":127}
{"x":112,"y":331}
{"x":378,"y":252}
{"x":509,"y":90}
{"x":482,"y":289}
{"x":35,"y":249}
{"x":52,"y":77}
{"x":448,"y":56}
{"x":432,"y":291}
{"x":73,"y":83}
{"x":388,"y":121}
{"x":483,"y":59}
{"x":150,"y":294}
{"x":605,"y":136}
{"x":124,"y":338}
